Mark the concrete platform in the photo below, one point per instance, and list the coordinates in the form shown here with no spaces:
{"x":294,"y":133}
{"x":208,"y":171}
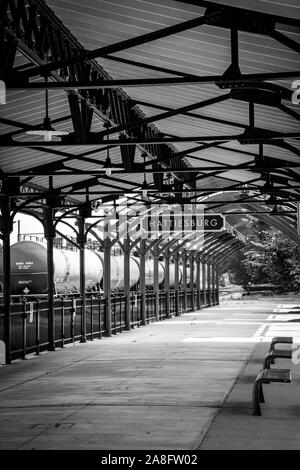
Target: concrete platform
{"x":184,"y":383}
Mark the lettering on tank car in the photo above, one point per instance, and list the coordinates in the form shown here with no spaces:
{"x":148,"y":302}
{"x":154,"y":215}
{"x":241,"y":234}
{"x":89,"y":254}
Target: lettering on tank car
{"x":23,"y":265}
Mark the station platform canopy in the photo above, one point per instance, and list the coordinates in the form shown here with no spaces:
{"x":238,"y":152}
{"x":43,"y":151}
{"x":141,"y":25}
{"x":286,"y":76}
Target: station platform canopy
{"x":168,"y":101}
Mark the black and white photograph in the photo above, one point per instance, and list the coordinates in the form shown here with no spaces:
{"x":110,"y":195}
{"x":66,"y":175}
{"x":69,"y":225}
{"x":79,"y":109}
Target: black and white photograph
{"x":149,"y":231}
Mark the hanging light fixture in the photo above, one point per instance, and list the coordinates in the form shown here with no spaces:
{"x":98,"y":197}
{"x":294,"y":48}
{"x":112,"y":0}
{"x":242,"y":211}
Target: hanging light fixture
{"x":46,"y":130}
{"x":274,"y":201}
{"x":108,"y":167}
{"x":259,"y":159}
{"x":145,"y":188}
{"x":271,"y":199}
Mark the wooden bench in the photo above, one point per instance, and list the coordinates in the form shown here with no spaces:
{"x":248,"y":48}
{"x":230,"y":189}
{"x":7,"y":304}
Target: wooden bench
{"x":281,"y":340}
{"x":266,"y":376}
{"x":274,"y":353}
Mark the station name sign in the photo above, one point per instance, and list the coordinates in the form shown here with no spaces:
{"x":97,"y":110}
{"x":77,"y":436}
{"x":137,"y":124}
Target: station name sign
{"x":187,"y":223}
{"x":161,"y":220}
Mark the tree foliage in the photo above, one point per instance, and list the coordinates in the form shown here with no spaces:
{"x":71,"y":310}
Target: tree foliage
{"x":270,"y":257}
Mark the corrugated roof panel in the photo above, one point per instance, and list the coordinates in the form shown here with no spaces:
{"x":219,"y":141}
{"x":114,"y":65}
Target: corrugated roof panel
{"x":204,"y":50}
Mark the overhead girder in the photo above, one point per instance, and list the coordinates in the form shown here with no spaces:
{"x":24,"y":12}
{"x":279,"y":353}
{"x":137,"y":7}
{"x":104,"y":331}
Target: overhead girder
{"x":217,"y":257}
{"x":226,"y":249}
{"x":122,"y":110}
{"x":215,"y":15}
{"x":281,"y":224}
{"x":267,"y":137}
{"x":219,"y":243}
{"x":234,"y":249}
{"x":113,"y":104}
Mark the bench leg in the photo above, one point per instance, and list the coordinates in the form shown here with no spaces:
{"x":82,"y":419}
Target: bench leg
{"x":256,"y":398}
{"x":267,"y":361}
{"x":261,"y":394}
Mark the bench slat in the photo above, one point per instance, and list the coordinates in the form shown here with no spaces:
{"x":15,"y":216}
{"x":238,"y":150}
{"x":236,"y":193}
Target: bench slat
{"x":281,"y":353}
{"x":275,"y":375}
{"x":282,"y":339}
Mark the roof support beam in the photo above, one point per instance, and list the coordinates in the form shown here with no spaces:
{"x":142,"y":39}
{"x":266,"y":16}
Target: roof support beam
{"x":51,"y":169}
{"x":289,"y":111}
{"x":142,"y":82}
{"x":283,"y":39}
{"x":208,"y":4}
{"x":200,"y":191}
{"x":120,"y":46}
{"x":166,"y":115}
{"x":148,"y":66}
{"x":68,"y":141}
{"x":194,"y":115}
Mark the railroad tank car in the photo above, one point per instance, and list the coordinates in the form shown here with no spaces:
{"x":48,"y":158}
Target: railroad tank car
{"x":188,"y":276}
{"x":149,"y":273}
{"x":117,"y":271}
{"x":29,"y":269}
{"x":172,"y":275}
{"x":134,"y":272}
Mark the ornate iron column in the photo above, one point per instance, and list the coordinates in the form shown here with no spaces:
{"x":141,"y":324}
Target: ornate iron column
{"x":107,"y":283}
{"x":192,"y":279}
{"x":204,"y":281}
{"x":176,"y":267}
{"x":167,"y":281}
{"x":6,"y":226}
{"x":81,"y":240}
{"x":198,"y":281}
{"x":184,"y":279}
{"x":126,"y":252}
{"x":217,"y":285}
{"x":142,"y":280}
{"x":49,"y":229}
{"x":209,"y":283}
{"x":156,"y":283}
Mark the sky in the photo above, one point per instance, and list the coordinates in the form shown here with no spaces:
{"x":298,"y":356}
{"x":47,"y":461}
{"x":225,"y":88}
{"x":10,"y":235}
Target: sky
{"x":30,"y":225}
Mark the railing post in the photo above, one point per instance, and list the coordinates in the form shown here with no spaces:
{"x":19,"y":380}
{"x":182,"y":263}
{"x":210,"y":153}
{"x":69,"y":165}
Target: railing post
{"x":37,"y":327}
{"x":92,"y":317}
{"x":62,"y":323}
{"x":24,"y":324}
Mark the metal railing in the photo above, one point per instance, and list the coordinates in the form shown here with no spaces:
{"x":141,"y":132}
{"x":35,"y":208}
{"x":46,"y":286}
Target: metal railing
{"x":29,"y":316}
